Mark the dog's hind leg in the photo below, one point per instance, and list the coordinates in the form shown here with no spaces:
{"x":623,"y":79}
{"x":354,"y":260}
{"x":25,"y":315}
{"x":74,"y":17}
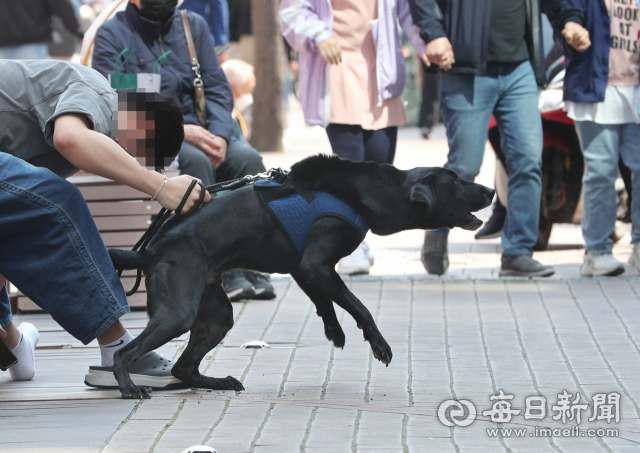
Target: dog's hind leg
{"x":324,"y":309}
{"x":214,"y":320}
{"x":174,"y":290}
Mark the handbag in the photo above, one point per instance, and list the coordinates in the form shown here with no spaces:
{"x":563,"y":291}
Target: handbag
{"x":199,"y":102}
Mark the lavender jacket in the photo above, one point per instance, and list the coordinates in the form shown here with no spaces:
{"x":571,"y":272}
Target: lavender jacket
{"x":306,"y":23}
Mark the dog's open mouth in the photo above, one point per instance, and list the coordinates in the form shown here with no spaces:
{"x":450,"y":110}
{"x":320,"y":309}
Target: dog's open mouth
{"x":471,"y":222}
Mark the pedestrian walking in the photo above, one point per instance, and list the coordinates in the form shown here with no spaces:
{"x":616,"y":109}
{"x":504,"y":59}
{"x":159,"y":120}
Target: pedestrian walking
{"x":25,"y":27}
{"x":492,"y":63}
{"x":351,"y":76}
{"x":602,"y":94}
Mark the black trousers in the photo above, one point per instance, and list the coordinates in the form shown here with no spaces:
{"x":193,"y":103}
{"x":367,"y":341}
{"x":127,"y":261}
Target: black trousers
{"x":358,"y":144}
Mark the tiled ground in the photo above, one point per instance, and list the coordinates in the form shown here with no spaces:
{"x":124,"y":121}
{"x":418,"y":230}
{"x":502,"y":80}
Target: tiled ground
{"x":451,"y":338}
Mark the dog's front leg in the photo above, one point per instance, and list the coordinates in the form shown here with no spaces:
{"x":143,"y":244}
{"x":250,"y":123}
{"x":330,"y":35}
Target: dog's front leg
{"x":325,"y":277}
{"x":324,"y":307}
{"x":329,"y":239}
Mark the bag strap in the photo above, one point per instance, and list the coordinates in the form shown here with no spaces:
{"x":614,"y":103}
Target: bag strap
{"x":187,"y":33}
{"x":198,"y":85}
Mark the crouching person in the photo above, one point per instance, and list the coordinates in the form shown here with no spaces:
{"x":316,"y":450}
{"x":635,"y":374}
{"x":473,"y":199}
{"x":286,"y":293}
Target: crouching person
{"x":61,"y":117}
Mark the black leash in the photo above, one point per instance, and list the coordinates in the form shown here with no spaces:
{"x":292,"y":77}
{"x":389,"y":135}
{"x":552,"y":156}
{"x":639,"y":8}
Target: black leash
{"x":278,"y":175}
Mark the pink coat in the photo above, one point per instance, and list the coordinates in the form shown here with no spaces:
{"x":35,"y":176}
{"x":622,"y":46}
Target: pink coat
{"x":306,"y":23}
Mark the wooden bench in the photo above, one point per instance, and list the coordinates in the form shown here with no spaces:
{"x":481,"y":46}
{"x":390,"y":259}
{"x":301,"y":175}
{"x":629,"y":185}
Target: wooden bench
{"x":122,"y":215}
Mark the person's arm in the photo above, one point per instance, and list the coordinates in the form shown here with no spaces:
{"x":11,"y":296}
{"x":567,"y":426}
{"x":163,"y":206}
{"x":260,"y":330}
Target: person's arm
{"x":410,"y":29}
{"x":428,"y":17}
{"x":96,"y":153}
{"x":301,"y":26}
{"x":567,"y":18}
{"x":64,"y":10}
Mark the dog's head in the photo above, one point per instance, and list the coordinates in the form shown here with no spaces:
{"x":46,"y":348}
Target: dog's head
{"x":439,"y":198}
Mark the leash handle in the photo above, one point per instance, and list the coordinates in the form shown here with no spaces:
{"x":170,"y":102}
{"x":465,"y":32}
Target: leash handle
{"x":186,"y":197}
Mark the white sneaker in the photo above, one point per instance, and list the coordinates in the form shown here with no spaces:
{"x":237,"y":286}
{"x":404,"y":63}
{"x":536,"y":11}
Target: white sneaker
{"x":25,"y":369}
{"x":367,"y":252}
{"x":600,"y":264}
{"x":356,"y":263}
{"x":635,"y":256}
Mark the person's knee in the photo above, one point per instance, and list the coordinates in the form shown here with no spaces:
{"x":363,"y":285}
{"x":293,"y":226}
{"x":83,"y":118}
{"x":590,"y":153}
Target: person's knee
{"x":601,"y":171}
{"x":56,"y":190}
{"x":525,"y":163}
{"x":194,"y":162}
{"x":243,"y":159}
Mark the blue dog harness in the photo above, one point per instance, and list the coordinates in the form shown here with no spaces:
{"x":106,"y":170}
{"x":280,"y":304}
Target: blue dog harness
{"x":295,"y":214}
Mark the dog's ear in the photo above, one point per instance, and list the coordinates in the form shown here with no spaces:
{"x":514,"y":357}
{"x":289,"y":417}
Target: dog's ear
{"x":424,"y":193}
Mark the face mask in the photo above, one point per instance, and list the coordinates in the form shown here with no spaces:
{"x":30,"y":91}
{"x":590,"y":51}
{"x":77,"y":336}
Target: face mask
{"x":157,"y":10}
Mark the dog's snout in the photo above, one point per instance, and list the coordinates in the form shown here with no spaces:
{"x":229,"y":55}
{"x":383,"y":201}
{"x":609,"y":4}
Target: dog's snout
{"x":490,"y":193}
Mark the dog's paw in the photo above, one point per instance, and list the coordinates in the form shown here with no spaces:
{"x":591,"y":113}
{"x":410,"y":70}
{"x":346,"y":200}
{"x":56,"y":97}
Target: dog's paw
{"x":382,"y":351}
{"x":136,"y":393}
{"x":336,"y":335}
{"x":234,"y":384}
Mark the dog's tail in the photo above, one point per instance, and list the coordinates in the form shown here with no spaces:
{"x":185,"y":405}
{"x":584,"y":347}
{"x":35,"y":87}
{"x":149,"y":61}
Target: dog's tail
{"x":127,"y":259}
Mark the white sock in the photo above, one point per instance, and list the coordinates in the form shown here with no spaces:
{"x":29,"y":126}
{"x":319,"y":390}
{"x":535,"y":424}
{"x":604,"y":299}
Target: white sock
{"x":25,"y":369}
{"x":108,"y":350}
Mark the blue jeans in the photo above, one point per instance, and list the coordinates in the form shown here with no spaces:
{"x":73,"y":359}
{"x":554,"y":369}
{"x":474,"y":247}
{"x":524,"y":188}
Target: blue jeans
{"x":25,"y":52}
{"x":602,"y":145}
{"x":510,"y":92}
{"x":51,"y":250}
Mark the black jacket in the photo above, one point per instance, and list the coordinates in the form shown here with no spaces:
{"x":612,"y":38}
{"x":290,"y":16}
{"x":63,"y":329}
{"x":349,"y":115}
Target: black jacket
{"x":29,"y":21}
{"x":466,"y":23}
{"x":147,"y":40}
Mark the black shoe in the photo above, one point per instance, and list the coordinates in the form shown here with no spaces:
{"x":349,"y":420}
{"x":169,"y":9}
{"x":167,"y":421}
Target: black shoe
{"x":524,"y":266}
{"x":426,"y":133}
{"x":493,"y":227}
{"x":261,"y":285}
{"x":236,"y":285}
{"x":434,"y":254}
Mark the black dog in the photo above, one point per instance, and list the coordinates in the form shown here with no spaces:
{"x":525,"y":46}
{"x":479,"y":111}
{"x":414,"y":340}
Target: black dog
{"x":183,"y":263}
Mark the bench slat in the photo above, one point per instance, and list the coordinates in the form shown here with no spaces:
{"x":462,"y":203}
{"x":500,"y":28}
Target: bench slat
{"x":136,"y":207}
{"x":111,"y":192}
{"x":123,"y":223}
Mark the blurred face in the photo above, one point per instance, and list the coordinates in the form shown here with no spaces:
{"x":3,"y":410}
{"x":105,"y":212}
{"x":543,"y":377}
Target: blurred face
{"x":246,"y":89}
{"x":250,"y":85}
{"x":134,"y":130}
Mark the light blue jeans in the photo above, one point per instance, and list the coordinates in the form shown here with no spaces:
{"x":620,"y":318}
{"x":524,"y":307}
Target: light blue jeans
{"x":602,"y":145}
{"x":25,"y":52}
{"x":510,"y":92}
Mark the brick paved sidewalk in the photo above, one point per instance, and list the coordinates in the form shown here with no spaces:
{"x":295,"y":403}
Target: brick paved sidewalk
{"x":462,"y":339}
